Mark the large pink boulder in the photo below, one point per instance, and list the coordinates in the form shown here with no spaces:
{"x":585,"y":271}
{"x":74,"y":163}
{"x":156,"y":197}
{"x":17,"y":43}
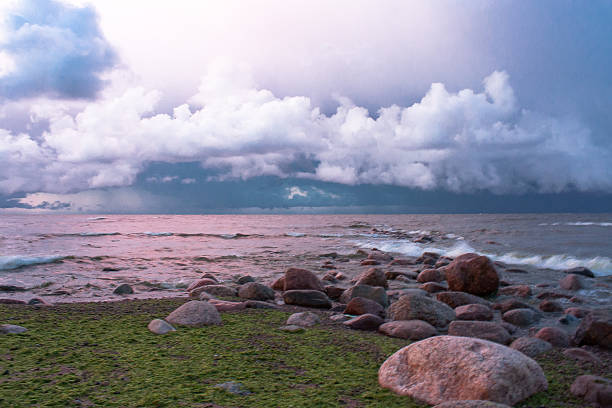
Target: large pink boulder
{"x":448,"y":368}
{"x":301,"y":279}
{"x":473,"y":274}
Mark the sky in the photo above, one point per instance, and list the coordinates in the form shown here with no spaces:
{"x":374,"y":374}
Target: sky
{"x":305,"y":106}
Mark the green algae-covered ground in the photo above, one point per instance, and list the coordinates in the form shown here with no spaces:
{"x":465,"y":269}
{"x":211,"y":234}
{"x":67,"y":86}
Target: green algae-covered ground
{"x":101,"y":354}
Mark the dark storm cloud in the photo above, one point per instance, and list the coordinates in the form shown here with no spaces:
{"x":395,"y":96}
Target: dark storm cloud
{"x":56,"y":50}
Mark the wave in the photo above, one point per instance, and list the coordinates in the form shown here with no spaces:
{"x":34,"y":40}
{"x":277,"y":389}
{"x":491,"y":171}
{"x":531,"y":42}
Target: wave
{"x":17,"y":261}
{"x":295,"y":234}
{"x":598,"y":224}
{"x":600,"y":265}
{"x":96,"y":218}
{"x":158,"y":234}
{"x":578,"y":224}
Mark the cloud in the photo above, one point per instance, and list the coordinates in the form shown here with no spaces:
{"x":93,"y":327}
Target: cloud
{"x":462,"y":141}
{"x":48,"y":47}
{"x":296,"y":192}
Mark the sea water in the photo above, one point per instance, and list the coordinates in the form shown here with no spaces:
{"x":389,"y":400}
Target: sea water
{"x":82,"y":257}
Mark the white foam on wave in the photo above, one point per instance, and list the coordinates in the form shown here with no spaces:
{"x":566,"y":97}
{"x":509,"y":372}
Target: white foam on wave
{"x":601,"y":266}
{"x":578,"y":224}
{"x":598,"y":224}
{"x":158,"y":234}
{"x":16,"y":261}
{"x":96,"y":218}
{"x":295,"y":234}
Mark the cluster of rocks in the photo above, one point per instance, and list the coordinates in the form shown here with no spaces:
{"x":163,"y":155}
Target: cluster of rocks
{"x":476,"y":332}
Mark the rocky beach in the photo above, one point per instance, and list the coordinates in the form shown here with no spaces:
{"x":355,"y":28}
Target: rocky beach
{"x":454,"y":328}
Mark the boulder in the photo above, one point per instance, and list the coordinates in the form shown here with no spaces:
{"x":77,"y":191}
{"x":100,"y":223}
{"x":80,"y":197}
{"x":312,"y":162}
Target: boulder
{"x":471,"y":404}
{"x":375,"y":293}
{"x":416,"y":307}
{"x":483,"y":330}
{"x":194,"y":313}
{"x":473,"y":274}
{"x":291,"y":328}
{"x":595,"y":329}
{"x":578,"y":312}
{"x":255,"y":291}
{"x":516,"y":290}
{"x":369,"y":262}
{"x":433,"y":287}
{"x":9,"y":301}
{"x":220,"y":290}
{"x":402,"y":262}
{"x":531,"y":346}
{"x":38,"y":301}
{"x":380,"y":256}
{"x":520,"y":317}
{"x":364,"y":322}
{"x":373,"y":277}
{"x":581,"y":270}
{"x":123,"y":289}
{"x":360,"y":306}
{"x":11,"y":329}
{"x":334,"y":292}
{"x":428,"y":258}
{"x":278,"y":284}
{"x":245,"y":279}
{"x":159,"y":326}
{"x":510,"y":304}
{"x":233,"y":387}
{"x":308,"y":298}
{"x":225,"y":306}
{"x":552,"y":295}
{"x":455,"y":299}
{"x":571,"y":282}
{"x":201,"y":282}
{"x":474,"y":312}
{"x":301,"y":279}
{"x":304,"y":319}
{"x":550,"y":306}
{"x":210,"y":276}
{"x":567,"y":319}
{"x":581,"y":355}
{"x":408,"y":329}
{"x":446,"y":368}
{"x":258,"y":304}
{"x":430,"y":275}
{"x":593,"y":390}
{"x":554,"y":335}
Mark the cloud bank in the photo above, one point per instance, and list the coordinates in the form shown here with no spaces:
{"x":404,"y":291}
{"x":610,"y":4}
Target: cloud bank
{"x":48,"y":47}
{"x":461,"y":141}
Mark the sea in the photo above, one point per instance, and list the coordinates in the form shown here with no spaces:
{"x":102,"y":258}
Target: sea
{"x":78,"y":258}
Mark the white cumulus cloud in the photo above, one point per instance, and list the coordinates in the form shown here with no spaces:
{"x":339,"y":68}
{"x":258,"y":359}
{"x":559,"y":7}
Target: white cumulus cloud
{"x":459,"y":141}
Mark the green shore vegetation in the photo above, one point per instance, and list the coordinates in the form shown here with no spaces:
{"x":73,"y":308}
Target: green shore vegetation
{"x":101,"y":354}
